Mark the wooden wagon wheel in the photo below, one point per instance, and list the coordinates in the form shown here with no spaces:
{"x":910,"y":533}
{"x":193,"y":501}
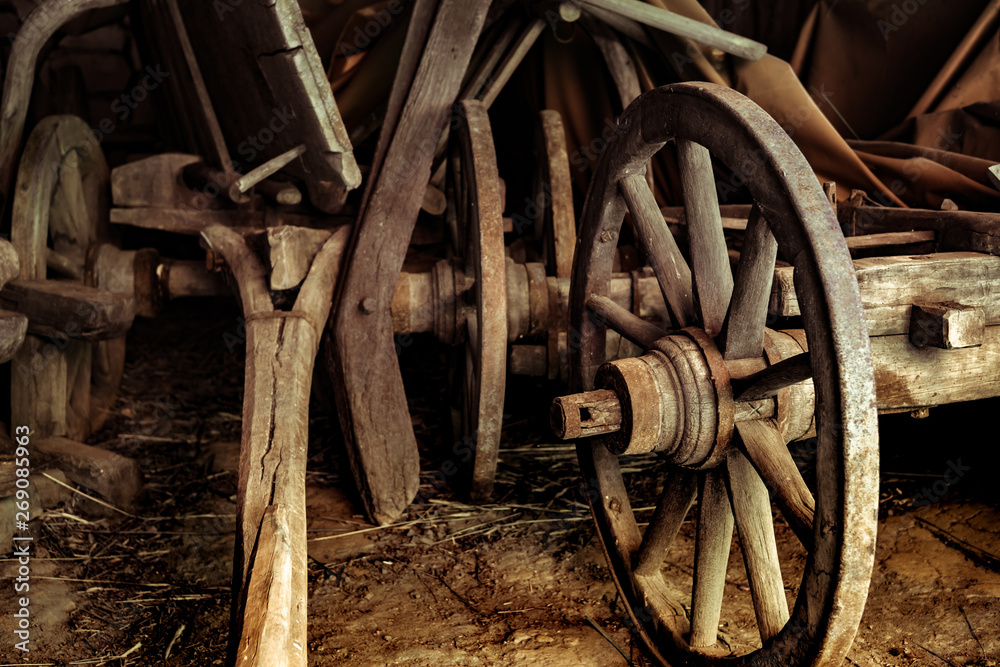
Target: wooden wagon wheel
{"x":479,"y":214}
{"x":693,"y":427}
{"x":554,"y":188}
{"x":60,"y":210}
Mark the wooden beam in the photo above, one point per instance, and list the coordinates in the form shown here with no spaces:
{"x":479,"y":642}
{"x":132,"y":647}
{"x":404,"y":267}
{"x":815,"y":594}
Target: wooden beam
{"x":891,"y":285}
{"x":66,"y":310}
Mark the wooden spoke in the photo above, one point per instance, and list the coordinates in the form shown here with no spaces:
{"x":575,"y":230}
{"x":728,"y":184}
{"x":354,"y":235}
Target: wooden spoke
{"x":744,"y":329}
{"x":671,"y":270}
{"x":752,"y":510}
{"x":625,"y":322}
{"x":673,"y":505}
{"x":715,"y":537}
{"x":713,"y":279}
{"x":774,"y":378}
{"x":769,"y":455}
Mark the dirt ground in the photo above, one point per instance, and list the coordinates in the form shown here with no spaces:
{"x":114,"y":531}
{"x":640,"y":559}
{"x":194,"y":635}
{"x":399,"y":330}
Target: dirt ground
{"x":519,"y":581}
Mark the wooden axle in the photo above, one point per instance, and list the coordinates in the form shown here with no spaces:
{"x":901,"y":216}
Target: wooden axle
{"x":152,"y":279}
{"x":434,"y":302}
{"x":908,"y":377}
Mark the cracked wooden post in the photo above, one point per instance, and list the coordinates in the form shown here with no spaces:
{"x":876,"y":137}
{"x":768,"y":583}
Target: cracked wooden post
{"x":270,"y":575}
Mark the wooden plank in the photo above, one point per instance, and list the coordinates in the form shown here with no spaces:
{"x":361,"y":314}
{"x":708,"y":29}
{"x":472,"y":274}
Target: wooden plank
{"x":373,"y":409}
{"x":891,"y":285}
{"x":889,"y":239}
{"x":66,"y":310}
{"x":266,"y":80}
{"x":976,"y":231}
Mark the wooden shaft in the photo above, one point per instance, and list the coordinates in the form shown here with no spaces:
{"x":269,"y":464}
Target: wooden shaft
{"x":682,"y":26}
{"x":280,"y":356}
{"x":416,"y":306}
{"x":188,"y":278}
{"x":285,"y":194}
{"x":269,"y":168}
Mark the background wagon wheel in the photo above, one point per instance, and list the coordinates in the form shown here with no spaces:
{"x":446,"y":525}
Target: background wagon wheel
{"x":60,"y":211}
{"x":482,"y":367}
{"x":554,"y":192}
{"x":705,"y":121}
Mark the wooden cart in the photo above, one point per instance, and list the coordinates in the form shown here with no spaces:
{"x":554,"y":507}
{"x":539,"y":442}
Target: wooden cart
{"x":712,"y":372}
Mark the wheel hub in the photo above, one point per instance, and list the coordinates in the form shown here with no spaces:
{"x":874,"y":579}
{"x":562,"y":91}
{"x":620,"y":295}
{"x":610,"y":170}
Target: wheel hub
{"x":675,"y":399}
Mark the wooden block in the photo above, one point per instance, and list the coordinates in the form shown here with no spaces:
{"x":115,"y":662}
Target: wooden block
{"x":890,"y":285}
{"x":115,"y":477}
{"x":155,"y":181}
{"x":67,"y":310}
{"x":947,"y":325}
{"x":291,"y":251}
{"x":13,"y":327}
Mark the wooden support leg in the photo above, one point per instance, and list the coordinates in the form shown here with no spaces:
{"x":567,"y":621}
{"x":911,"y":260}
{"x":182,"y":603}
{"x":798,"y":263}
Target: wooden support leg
{"x":38,"y":386}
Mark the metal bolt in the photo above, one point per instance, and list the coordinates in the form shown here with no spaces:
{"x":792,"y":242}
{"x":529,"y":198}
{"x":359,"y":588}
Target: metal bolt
{"x":367,"y":305}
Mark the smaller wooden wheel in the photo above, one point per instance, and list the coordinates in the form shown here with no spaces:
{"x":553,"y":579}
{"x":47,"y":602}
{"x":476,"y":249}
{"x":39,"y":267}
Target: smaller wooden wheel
{"x":479,"y":215}
{"x":554,"y":187}
{"x":60,"y":211}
